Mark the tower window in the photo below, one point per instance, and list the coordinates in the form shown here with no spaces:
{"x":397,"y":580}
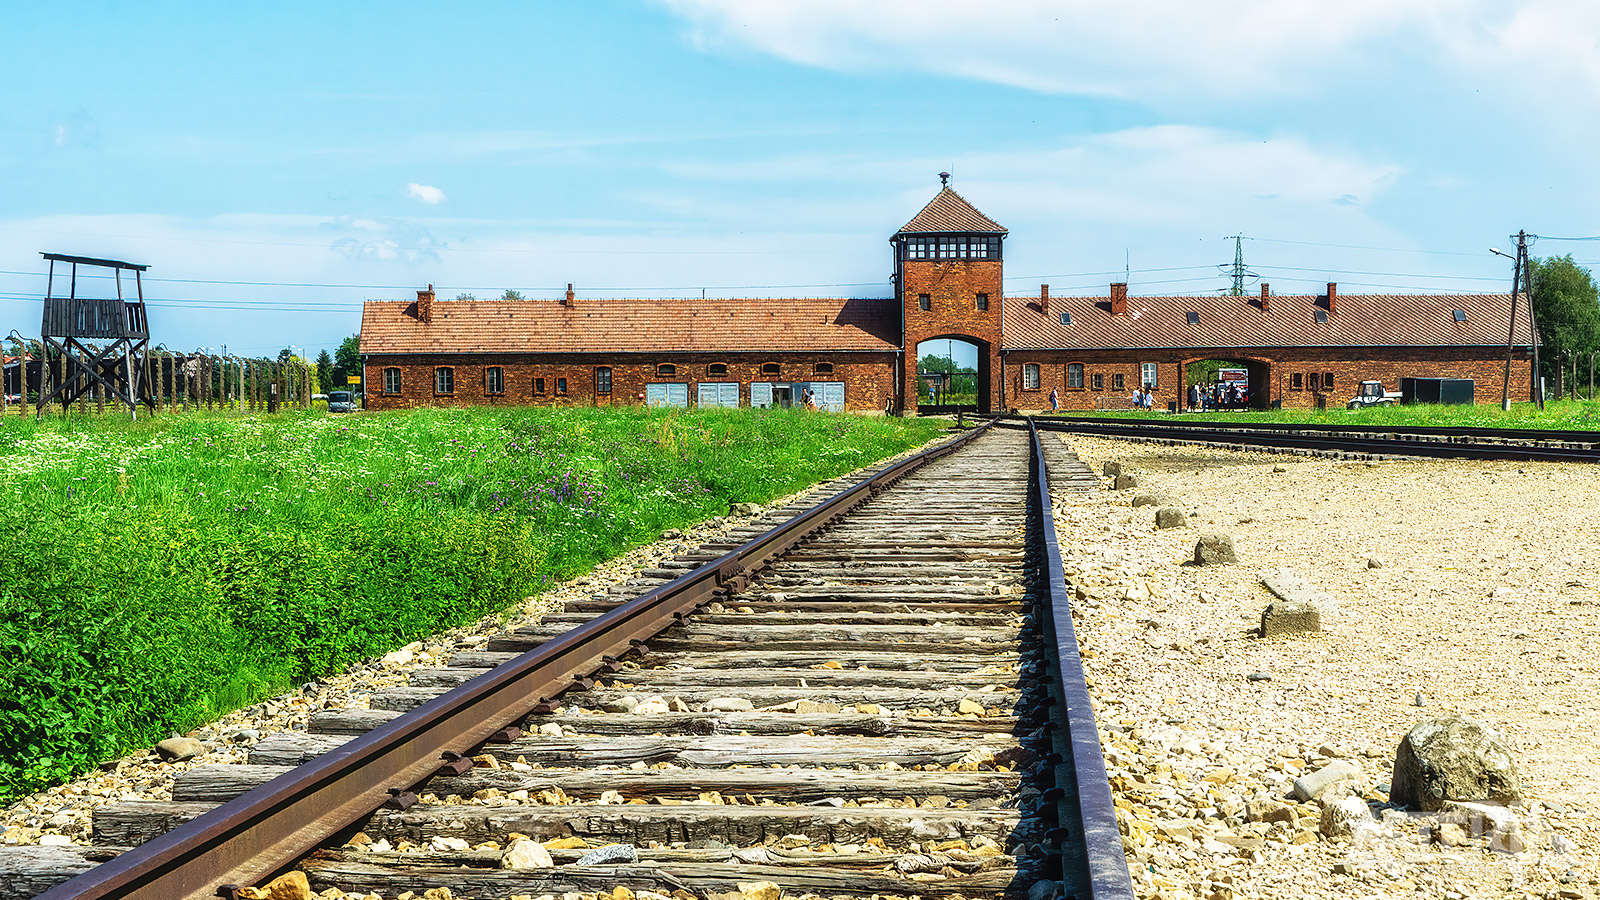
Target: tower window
{"x":924,"y":301}
{"x":983,"y":301}
{"x":969,"y":246}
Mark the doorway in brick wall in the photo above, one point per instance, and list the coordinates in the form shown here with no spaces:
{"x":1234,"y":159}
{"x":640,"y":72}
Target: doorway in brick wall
{"x":951,"y":375}
{"x":1226,"y":383}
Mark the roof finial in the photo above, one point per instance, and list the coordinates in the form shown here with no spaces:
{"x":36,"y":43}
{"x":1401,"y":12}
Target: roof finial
{"x":944,"y":178}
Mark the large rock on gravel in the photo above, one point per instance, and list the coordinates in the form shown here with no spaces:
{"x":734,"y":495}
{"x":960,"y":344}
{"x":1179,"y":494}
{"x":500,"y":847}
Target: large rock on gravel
{"x":1452,"y":759}
{"x":180,"y":748}
{"x":1171,"y":517}
{"x":1111,"y":469}
{"x":1295,"y":611}
{"x":1341,"y":819}
{"x":1151,"y":498}
{"x":1214,"y":549}
{"x":526,"y":854}
{"x":1313,"y":785}
{"x":1124,"y":482}
{"x":292,"y":886}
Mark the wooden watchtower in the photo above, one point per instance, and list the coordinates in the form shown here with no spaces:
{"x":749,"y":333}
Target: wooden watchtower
{"x":95,"y":341}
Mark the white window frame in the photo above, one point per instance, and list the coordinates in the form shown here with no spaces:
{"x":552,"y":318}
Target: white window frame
{"x":444,"y":380}
{"x":392,"y":380}
{"x":1030,"y":376}
{"x":1079,"y":367}
{"x":1148,"y":373}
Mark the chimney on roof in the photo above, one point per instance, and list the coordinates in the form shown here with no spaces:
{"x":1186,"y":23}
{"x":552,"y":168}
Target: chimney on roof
{"x":1333,"y":297}
{"x":571,"y":297}
{"x":1119,"y":298}
{"x":1044,"y":299}
{"x":944,"y":178}
{"x":425,"y":306}
{"x":1266,"y":297}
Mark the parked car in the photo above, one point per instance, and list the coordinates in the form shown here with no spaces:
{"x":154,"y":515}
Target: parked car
{"x":341,"y":402}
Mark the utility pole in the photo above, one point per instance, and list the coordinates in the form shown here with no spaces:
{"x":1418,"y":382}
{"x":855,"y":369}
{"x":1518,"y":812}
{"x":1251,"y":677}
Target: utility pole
{"x":1533,"y":323}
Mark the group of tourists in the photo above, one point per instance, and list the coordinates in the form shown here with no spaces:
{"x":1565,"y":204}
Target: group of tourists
{"x":1223,"y":395}
{"x":1144,"y":397}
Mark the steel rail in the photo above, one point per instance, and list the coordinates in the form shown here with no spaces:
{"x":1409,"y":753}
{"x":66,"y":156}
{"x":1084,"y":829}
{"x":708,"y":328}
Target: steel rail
{"x":1422,"y":431}
{"x":266,"y":829}
{"x":1316,"y":441}
{"x":1086,"y":836}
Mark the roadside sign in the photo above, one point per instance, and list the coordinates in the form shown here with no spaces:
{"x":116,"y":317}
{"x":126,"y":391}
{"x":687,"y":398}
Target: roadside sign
{"x":352,"y":379}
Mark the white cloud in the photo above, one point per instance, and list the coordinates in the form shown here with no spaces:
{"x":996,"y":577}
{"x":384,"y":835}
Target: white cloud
{"x":427,"y":193}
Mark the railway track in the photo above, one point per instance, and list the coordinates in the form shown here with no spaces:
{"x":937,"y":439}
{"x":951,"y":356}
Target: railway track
{"x":878,"y":696}
{"x":1355,"y":441}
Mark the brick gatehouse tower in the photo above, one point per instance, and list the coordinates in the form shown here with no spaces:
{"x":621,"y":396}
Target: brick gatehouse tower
{"x":947,"y":279}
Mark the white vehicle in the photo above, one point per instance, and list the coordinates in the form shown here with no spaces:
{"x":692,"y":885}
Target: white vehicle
{"x":1372,"y":394}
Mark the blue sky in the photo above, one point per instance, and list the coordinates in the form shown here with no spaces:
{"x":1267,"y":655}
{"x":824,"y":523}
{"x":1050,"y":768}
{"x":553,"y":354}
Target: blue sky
{"x":274,"y":164}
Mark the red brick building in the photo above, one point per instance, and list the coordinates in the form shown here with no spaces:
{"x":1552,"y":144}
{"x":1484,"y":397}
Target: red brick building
{"x":861,"y":354}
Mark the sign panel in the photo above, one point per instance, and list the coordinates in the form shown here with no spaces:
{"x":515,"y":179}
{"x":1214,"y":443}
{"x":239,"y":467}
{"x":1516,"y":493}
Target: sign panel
{"x":352,"y":379}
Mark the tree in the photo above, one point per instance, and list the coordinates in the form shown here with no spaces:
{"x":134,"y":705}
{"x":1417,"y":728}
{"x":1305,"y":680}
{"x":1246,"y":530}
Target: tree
{"x":934,"y":364}
{"x":1567,"y":305}
{"x":285,"y":355}
{"x":465,"y":297}
{"x":511,"y":295}
{"x":346,"y":359}
{"x":325,"y":371}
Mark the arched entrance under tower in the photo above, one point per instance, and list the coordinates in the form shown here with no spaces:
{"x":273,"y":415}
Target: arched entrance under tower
{"x":1229,"y":382}
{"x":952,"y":375}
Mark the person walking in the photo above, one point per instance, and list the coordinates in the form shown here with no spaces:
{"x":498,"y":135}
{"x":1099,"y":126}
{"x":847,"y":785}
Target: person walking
{"x":1194,"y":396}
{"x":1055,"y":401}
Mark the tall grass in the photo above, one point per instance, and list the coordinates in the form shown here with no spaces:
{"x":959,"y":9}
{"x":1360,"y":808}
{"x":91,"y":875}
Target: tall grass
{"x":155,"y":574}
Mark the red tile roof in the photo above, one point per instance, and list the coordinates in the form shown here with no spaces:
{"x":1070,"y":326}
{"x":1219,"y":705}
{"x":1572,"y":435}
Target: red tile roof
{"x":631,"y":326}
{"x":1361,"y":320}
{"x":949,"y":211}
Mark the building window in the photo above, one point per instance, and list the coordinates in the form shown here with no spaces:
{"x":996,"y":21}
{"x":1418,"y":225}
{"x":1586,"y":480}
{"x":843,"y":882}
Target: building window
{"x":1030,"y":376}
{"x":1327,"y":381}
{"x":822,"y":369}
{"x":1066,"y":318}
{"x":561,"y":386}
{"x":391,"y":380}
{"x":1319,"y":315}
{"x":1193,"y":317}
{"x":1460,"y":315}
{"x":1097,"y":381}
{"x":1118,"y":383}
{"x":717,"y":369}
{"x":666,"y":369}
{"x":1074,"y":375}
{"x":602,"y":380}
{"x":1147,"y":375}
{"x":494,"y":380}
{"x":1316,"y":381}
{"x":444,"y":380}
{"x":924,"y":302}
{"x":1296,"y":382}
{"x":983,"y":301}
{"x":769,"y":368}
{"x":538,"y":385}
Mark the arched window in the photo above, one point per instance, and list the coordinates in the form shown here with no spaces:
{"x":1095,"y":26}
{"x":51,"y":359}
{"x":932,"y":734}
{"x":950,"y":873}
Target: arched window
{"x":717,"y":369}
{"x":823,"y":369}
{"x":665,"y":369}
{"x":391,"y":380}
{"x":444,"y":380}
{"x":494,"y":380}
{"x":771,"y":368}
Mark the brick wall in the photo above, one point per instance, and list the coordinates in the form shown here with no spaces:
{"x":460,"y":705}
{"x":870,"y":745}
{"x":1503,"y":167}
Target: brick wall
{"x":1485,"y":366}
{"x":952,"y":287}
{"x":868,"y":377}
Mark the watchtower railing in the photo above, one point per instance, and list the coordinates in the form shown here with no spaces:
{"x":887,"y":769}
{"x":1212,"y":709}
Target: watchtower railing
{"x":103,"y":319}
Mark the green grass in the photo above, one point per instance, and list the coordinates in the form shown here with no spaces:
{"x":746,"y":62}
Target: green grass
{"x":1575,"y":415}
{"x":156,"y":574}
